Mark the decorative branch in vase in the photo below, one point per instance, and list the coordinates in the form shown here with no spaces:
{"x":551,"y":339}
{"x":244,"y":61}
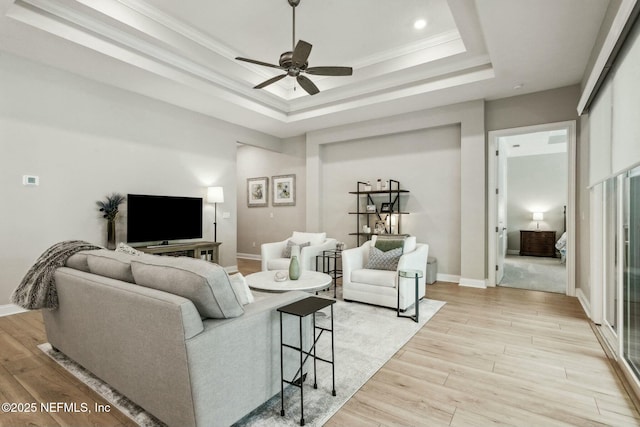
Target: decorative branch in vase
{"x":109,"y":208}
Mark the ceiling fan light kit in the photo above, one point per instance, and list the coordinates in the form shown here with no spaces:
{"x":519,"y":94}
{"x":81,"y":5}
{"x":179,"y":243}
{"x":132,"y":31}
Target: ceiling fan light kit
{"x":295,"y":63}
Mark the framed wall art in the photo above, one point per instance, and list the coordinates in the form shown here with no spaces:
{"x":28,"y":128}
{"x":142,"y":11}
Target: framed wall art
{"x":284,"y":190}
{"x":258,"y":192}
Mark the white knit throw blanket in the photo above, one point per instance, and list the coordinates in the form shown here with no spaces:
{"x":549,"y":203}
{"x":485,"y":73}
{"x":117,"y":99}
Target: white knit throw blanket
{"x":38,"y":289}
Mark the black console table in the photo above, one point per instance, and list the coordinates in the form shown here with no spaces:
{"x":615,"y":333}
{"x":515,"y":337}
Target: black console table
{"x":302,"y":309}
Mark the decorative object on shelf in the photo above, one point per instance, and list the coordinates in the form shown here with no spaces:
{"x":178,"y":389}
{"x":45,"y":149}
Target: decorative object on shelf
{"x":366,"y":229}
{"x":379,"y":184}
{"x":294,"y":264}
{"x":367,"y":186}
{"x":371,"y":208}
{"x":215,"y":195}
{"x":380,"y":227}
{"x":110,"y":212}
{"x":284,"y":190}
{"x":258,"y":192}
{"x":385,"y":185}
{"x":538,"y":216}
{"x":280,"y":276}
{"x":385,"y":207}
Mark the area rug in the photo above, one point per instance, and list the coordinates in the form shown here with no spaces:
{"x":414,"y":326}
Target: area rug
{"x":366,"y":337}
{"x":535,"y":273}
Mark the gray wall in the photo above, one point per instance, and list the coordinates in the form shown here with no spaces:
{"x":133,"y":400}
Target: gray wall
{"x":548,"y":106}
{"x":426,"y":162}
{"x":259,"y":225}
{"x":535,"y":183}
{"x":86,"y":140}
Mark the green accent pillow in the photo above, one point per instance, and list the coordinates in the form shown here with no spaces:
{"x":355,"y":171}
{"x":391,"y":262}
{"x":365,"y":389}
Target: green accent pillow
{"x":386,"y":245}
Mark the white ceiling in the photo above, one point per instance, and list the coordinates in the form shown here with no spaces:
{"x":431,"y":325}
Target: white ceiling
{"x":183,"y":52}
{"x":535,"y":143}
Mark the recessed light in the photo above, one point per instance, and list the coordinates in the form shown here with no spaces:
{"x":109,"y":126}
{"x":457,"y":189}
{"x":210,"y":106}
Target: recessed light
{"x":420,"y":24}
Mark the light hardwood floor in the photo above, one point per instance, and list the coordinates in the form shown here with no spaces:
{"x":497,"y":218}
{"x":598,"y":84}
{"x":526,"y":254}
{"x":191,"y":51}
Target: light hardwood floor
{"x":488,"y":357}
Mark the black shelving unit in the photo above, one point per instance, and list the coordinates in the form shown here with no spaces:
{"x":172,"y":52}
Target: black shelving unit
{"x":390,"y":196}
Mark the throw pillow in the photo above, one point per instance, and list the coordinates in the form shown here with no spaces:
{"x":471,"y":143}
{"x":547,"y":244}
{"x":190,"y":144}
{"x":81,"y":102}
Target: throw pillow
{"x":241,"y":289}
{"x":124,"y":248}
{"x":114,"y":265}
{"x":315,"y":238}
{"x":206,"y":284}
{"x":286,"y":252}
{"x":388,"y":244}
{"x":381,"y":260}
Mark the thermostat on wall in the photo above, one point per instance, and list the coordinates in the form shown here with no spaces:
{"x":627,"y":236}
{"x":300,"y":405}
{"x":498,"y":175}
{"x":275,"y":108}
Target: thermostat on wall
{"x":30,"y":180}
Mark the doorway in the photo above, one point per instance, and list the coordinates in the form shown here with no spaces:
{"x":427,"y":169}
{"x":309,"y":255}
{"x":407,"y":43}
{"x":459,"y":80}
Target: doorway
{"x":532,"y":182}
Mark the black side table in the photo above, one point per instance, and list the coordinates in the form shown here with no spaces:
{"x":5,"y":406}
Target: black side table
{"x":335,"y":272}
{"x":303,"y":308}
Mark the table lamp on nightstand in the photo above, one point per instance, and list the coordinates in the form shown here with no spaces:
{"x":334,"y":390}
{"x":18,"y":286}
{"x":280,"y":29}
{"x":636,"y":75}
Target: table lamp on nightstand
{"x":538,"y":216}
{"x":215,"y":195}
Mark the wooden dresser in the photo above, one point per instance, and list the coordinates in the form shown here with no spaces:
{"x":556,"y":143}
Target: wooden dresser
{"x":538,"y":243}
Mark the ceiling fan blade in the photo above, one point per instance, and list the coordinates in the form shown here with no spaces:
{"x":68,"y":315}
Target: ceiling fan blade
{"x":271,"y":80}
{"x":265,"y":64}
{"x":301,"y":53}
{"x":308,"y":85}
{"x":330,"y":71}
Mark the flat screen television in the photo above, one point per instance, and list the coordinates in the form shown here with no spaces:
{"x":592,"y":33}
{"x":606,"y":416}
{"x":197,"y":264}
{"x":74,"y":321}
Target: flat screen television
{"x":163,"y":218}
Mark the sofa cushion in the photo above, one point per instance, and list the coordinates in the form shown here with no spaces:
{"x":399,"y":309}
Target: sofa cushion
{"x":384,"y":278}
{"x":380,"y":260}
{"x":314,"y":238}
{"x":278,"y":264}
{"x":241,"y":289}
{"x":78,"y":261}
{"x":115,"y":265}
{"x":286,"y":252}
{"x":206,"y":284}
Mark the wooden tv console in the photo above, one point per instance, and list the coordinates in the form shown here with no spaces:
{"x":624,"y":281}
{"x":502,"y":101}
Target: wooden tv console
{"x":203,"y":250}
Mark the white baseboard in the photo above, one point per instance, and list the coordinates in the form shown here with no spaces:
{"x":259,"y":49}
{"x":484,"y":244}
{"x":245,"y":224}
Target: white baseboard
{"x":249,"y":256}
{"x":9,"y":309}
{"x":473,"y":283}
{"x":584,"y":302}
{"x":451,"y":278}
{"x":513,"y":252}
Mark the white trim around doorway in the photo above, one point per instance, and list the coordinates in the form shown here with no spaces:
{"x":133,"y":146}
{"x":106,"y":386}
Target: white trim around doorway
{"x":493,"y":136}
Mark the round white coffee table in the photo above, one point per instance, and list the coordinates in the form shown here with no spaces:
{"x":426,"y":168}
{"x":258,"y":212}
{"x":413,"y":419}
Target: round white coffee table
{"x":309,"y":281}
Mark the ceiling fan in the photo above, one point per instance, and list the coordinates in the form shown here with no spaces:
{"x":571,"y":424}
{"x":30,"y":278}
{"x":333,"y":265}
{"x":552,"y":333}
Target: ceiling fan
{"x":295,"y":62}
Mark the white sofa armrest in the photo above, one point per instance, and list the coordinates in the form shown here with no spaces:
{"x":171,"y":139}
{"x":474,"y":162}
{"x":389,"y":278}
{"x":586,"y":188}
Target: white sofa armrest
{"x":308,"y":254}
{"x":353,"y":259}
{"x":270,"y":251}
{"x":416,"y":259}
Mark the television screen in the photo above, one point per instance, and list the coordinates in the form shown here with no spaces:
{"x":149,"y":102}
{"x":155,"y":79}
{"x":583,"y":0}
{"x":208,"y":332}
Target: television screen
{"x":160,"y":218}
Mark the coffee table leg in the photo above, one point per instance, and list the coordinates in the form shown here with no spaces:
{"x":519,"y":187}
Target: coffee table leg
{"x":333,"y":357}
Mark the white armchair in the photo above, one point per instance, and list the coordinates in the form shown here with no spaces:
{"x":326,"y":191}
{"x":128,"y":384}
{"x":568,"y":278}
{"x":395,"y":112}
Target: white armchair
{"x":380,"y":287}
{"x":272,"y":258}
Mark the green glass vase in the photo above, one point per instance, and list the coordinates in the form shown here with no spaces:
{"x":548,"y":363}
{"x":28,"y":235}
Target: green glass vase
{"x":294,"y":268}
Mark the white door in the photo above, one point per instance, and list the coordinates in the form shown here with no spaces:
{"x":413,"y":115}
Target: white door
{"x":501,"y":210}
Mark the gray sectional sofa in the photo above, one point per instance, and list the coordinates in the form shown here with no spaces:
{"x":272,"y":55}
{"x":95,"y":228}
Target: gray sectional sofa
{"x":157,"y":347}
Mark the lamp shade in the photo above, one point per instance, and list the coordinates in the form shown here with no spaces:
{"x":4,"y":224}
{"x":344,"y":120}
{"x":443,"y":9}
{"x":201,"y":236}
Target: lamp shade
{"x":538,"y":216}
{"x":215,"y":195}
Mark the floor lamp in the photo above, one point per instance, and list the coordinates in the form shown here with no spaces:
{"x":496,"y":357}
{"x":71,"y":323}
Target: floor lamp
{"x":215,"y":195}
